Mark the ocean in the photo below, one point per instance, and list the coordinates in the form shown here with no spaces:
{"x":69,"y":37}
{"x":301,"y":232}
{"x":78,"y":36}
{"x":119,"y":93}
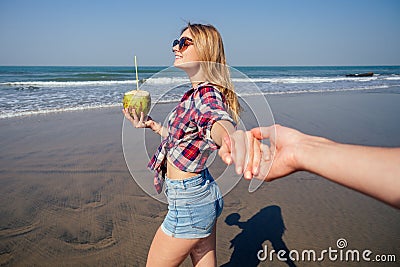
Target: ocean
{"x":39,"y":90}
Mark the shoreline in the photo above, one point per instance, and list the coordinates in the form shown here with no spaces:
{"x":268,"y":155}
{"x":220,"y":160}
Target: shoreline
{"x":68,"y":197}
{"x":384,"y":89}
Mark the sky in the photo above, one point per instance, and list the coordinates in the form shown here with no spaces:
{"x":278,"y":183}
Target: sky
{"x":255,"y":33}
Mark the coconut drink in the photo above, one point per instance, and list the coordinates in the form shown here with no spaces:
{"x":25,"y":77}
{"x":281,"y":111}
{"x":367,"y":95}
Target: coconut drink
{"x":139,"y":100}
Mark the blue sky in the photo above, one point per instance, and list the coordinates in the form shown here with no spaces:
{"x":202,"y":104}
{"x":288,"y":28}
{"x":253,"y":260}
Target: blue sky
{"x":268,"y":33}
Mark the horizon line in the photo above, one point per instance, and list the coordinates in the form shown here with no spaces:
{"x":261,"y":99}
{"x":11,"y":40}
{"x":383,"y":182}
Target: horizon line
{"x":163,"y":66}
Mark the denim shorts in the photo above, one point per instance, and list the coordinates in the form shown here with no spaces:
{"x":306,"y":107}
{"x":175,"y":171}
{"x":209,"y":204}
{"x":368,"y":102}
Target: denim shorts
{"x":193,"y":206}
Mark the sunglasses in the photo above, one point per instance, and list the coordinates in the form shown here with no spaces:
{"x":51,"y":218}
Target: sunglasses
{"x":183,"y":43}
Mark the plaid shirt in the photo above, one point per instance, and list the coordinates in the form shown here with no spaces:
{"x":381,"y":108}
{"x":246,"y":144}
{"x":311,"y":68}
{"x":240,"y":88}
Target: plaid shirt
{"x":189,"y":141}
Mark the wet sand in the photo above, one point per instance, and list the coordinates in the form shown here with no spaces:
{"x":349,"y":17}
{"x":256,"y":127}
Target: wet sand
{"x":68,"y":198}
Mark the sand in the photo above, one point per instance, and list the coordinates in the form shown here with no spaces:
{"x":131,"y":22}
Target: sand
{"x":68,"y":198}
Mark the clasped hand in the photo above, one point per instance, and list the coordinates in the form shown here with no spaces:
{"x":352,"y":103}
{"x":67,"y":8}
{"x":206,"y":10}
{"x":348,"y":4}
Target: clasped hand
{"x":255,"y":159}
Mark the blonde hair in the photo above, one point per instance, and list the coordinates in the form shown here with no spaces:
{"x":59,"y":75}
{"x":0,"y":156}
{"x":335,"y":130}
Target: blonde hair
{"x":210,"y":48}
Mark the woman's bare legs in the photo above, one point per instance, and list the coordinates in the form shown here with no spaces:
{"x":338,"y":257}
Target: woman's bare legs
{"x":204,"y":252}
{"x":170,"y":251}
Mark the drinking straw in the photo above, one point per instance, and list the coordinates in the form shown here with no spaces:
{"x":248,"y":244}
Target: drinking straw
{"x":137,"y":79}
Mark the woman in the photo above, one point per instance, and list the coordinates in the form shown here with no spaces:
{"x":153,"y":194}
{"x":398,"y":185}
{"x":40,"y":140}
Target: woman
{"x":196,"y":127}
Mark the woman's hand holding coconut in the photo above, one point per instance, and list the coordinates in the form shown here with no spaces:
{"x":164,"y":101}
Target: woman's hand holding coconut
{"x":142,"y":122}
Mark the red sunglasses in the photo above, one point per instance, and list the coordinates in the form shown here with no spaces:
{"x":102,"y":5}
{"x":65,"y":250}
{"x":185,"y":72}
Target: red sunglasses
{"x":183,"y":43}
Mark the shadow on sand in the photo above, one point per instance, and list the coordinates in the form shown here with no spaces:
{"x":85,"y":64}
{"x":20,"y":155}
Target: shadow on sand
{"x":267,"y":224}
